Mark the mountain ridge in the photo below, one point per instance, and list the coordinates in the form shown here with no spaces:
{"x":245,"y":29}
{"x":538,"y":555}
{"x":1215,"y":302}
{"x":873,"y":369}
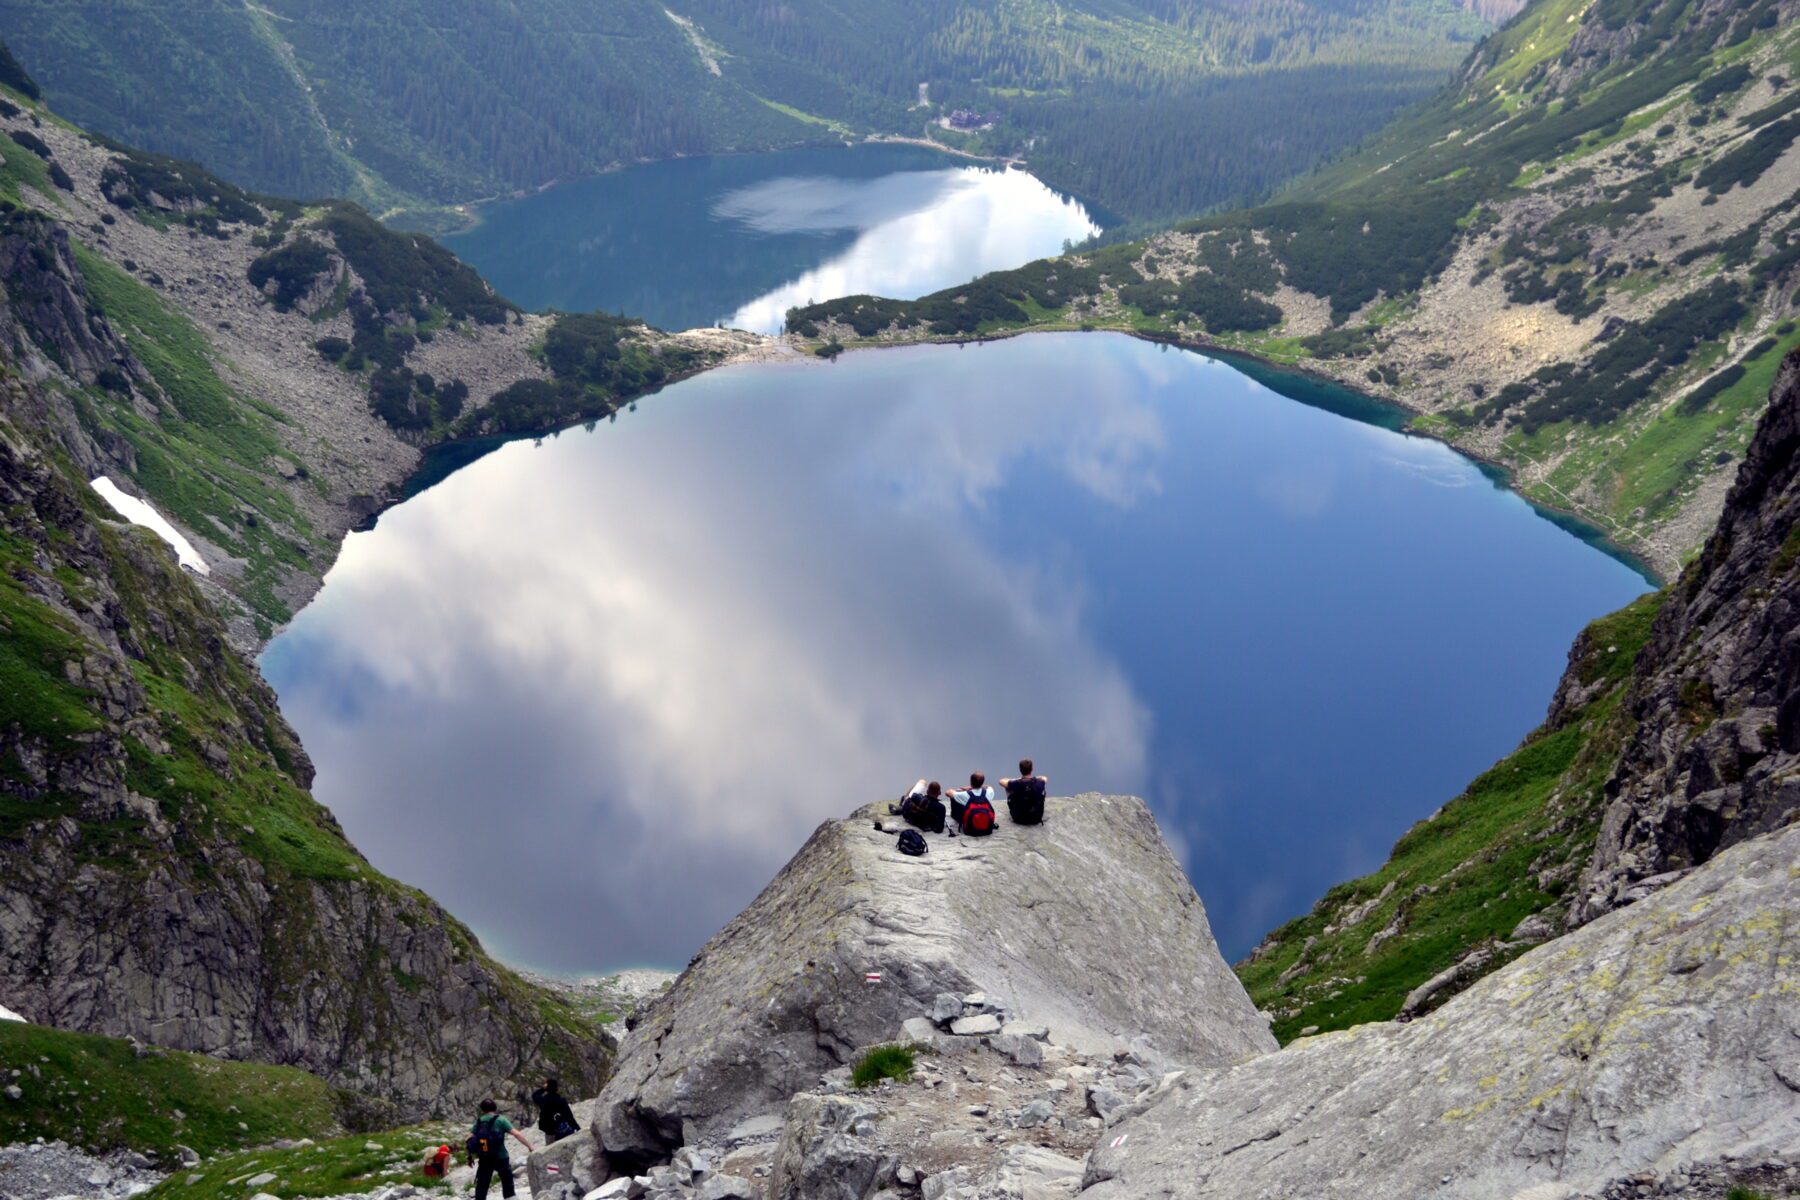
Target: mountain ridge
{"x":1574,"y":262}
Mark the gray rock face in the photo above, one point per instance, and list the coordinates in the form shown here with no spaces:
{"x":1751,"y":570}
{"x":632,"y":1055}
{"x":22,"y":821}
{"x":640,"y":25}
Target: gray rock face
{"x":225,"y":913}
{"x":823,"y":1157}
{"x":1664,"y":1033}
{"x":1716,"y":693}
{"x":1032,"y":917}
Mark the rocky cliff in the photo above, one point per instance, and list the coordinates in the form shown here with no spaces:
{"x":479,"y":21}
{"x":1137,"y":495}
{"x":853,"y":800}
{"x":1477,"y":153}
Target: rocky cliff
{"x":1716,"y":693}
{"x":1084,"y":928}
{"x":1670,"y":736}
{"x":1651,"y":1047}
{"x":163,"y":872}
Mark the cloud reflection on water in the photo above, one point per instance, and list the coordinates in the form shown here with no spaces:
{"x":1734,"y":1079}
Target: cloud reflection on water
{"x":919,"y":232}
{"x":647,"y":668}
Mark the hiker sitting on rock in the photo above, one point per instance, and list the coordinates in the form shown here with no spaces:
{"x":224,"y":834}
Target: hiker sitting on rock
{"x":979,"y":822}
{"x":555,"y":1117}
{"x":924,"y":806}
{"x":487,"y":1150}
{"x":1025,"y":795}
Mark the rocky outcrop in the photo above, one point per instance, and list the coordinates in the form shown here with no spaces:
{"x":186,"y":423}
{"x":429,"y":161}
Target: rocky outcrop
{"x":164,"y":874}
{"x":1716,"y":693}
{"x":1660,"y":1039}
{"x":1085,"y":926}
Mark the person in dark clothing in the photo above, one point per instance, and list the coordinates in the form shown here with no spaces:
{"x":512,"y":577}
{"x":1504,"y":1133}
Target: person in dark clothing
{"x":487,"y":1146}
{"x":924,"y":806}
{"x":555,"y":1117}
{"x":1025,"y":795}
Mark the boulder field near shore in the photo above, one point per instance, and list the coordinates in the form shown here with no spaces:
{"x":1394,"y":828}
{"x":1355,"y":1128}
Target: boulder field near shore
{"x":1075,"y":1031}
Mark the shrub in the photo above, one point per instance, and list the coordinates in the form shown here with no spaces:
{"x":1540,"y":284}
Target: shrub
{"x":332,"y":349}
{"x":31,"y":142}
{"x":13,"y":75}
{"x":60,"y":177}
{"x":883,"y":1062}
{"x":293,"y":268}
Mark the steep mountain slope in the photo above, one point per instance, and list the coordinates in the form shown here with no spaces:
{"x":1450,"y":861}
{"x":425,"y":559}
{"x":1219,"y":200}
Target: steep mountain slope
{"x":1579,"y":261}
{"x":1672,"y":737}
{"x":265,"y":375}
{"x":292,"y":361}
{"x":1650,"y":1053}
{"x":403,"y":101}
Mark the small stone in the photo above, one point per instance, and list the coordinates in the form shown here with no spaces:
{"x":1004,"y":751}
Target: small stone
{"x":192,"y":1180}
{"x":1035,"y":1113}
{"x":189,"y":1157}
{"x":101,"y":1176}
{"x":727,"y":1187}
{"x":612,"y":1189}
{"x":978,"y":1110}
{"x":1309,"y":1031}
{"x":918,"y":1031}
{"x":946,"y":1008}
{"x":14,"y":1092}
{"x":907,"y":1176}
{"x":371,"y":1145}
{"x":1022,"y":1051}
{"x":976,"y":1026}
{"x":1022,"y":1029}
{"x":1103,"y":1102}
{"x":257,"y":1181}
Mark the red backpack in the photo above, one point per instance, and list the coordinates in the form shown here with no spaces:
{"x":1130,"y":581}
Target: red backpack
{"x":978,"y":816}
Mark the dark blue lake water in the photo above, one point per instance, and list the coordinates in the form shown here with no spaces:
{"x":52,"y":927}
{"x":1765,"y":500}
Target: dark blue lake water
{"x":741,"y":239}
{"x":592,"y":692}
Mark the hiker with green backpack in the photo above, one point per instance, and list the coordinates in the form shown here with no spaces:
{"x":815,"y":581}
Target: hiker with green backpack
{"x":487,"y":1150}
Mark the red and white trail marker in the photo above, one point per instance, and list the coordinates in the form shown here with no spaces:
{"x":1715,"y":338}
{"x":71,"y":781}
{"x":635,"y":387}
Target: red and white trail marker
{"x":872,"y":977}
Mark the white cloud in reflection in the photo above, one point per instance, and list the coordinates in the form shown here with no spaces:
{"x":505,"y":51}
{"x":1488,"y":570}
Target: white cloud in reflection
{"x":650,"y":661}
{"x":963,"y":224}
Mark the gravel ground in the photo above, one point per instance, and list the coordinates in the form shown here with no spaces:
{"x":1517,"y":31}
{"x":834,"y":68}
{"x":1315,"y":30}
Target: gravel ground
{"x":41,"y":1170}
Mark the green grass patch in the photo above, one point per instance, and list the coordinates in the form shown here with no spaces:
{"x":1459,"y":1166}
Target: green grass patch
{"x":1500,"y":852}
{"x":338,"y":1166}
{"x":97,"y":1092}
{"x":883,"y":1062}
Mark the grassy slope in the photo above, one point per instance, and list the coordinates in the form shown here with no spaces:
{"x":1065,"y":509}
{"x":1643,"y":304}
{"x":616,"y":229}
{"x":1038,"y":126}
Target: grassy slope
{"x":1370,"y":232}
{"x":334,"y":1166}
{"x":1467,"y":875}
{"x":98,"y":1092}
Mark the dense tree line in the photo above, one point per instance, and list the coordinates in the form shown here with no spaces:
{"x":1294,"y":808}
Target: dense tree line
{"x":448,"y":99}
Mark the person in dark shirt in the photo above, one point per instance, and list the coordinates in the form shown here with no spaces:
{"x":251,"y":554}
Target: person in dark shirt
{"x":555,"y":1117}
{"x":923,"y":806}
{"x":1025,"y":795}
{"x":492,"y":1129}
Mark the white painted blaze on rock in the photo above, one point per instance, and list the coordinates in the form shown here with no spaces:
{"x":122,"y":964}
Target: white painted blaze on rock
{"x":141,"y":512}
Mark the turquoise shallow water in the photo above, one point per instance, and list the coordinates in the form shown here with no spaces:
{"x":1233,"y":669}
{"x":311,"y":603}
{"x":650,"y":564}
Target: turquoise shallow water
{"x":741,"y":239}
{"x":592,"y":692}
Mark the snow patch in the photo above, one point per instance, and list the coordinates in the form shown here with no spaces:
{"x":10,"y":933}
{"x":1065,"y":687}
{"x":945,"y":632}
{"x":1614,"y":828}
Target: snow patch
{"x":7,"y":1014}
{"x":140,"y":512}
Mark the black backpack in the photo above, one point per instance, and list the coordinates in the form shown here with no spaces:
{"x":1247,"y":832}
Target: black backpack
{"x":1025,"y":801}
{"x":486,"y":1141}
{"x":913,"y":842}
{"x":926,"y":813}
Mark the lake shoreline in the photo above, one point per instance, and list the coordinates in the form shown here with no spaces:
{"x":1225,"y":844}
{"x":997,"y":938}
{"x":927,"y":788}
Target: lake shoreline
{"x":1575,"y":520}
{"x":459,"y":218}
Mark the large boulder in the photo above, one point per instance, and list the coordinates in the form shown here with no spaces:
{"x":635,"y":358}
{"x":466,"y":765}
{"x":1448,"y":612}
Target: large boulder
{"x":1085,"y":925}
{"x":1662,"y":1037}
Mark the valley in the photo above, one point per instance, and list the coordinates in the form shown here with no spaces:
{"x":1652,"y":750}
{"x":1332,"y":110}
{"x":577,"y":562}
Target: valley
{"x":1575,"y":263}
{"x":513,"y":630}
